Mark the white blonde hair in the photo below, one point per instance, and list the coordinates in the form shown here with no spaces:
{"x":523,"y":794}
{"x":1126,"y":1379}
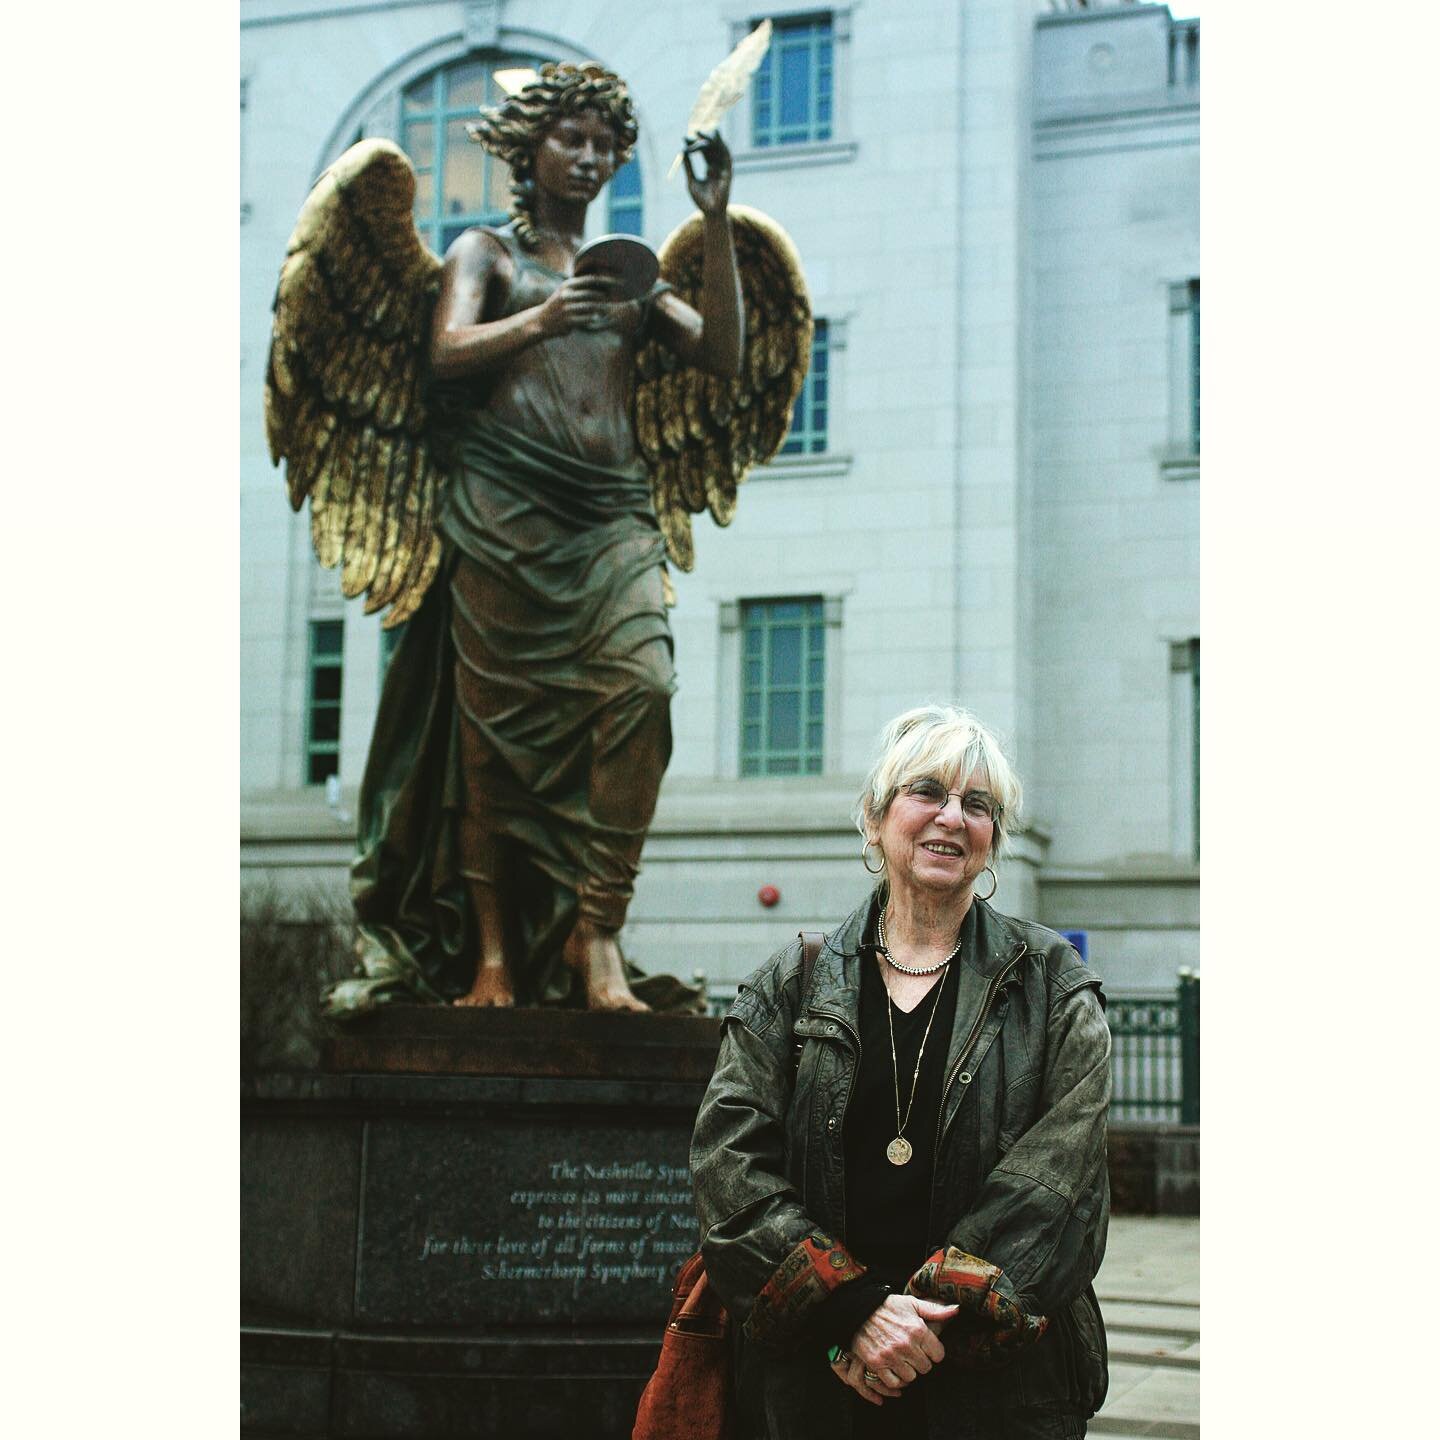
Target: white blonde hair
{"x":948,"y":743}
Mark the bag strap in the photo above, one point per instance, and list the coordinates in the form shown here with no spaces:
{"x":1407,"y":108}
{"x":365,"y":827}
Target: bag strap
{"x":810,"y":943}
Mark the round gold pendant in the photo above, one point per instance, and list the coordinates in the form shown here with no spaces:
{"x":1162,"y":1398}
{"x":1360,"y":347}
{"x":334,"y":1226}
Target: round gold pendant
{"x":898,"y":1151}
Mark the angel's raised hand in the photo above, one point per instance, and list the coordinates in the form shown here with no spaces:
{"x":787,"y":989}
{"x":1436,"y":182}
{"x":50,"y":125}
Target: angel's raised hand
{"x":712,"y":193}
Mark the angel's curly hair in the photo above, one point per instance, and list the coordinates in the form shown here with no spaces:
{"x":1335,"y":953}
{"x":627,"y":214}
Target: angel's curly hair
{"x":513,"y":129}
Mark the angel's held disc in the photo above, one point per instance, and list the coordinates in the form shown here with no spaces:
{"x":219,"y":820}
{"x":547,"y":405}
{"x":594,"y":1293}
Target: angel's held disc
{"x":898,"y":1151}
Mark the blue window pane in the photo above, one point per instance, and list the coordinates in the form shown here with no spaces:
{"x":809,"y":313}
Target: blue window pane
{"x":626,"y":205}
{"x":752,"y":704}
{"x":785,"y":765}
{"x":753,"y":676}
{"x":784,"y":720}
{"x":785,"y":656}
{"x":785,"y":610}
{"x":626,"y":220}
{"x":794,"y":87}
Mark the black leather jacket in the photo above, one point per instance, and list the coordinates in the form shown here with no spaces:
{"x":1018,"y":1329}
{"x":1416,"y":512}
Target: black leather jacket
{"x":1020,"y":1175}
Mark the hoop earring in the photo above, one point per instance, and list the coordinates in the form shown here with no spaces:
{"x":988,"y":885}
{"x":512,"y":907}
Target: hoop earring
{"x":994,"y":885}
{"x":865,"y":858}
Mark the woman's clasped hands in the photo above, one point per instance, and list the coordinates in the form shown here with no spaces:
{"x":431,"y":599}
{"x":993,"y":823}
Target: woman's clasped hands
{"x":897,"y":1342}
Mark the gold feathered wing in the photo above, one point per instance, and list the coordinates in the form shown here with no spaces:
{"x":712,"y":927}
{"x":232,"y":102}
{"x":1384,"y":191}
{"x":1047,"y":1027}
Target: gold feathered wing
{"x":345,"y":402}
{"x":700,"y":434}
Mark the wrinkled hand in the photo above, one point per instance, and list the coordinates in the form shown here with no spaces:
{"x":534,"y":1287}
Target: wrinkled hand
{"x":897,"y":1342}
{"x":583,"y":302}
{"x":712,"y":194}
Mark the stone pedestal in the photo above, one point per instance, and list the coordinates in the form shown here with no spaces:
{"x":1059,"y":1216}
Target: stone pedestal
{"x":469,"y":1225}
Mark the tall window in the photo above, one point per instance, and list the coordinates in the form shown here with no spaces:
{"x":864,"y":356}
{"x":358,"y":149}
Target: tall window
{"x":782,"y":727}
{"x":1185,"y":747}
{"x":1195,"y":742}
{"x":457,"y":182}
{"x":1195,"y":367}
{"x":627,"y":204}
{"x":1182,"y":453}
{"x":810,"y":424}
{"x":322,"y":711}
{"x":794,"y":86}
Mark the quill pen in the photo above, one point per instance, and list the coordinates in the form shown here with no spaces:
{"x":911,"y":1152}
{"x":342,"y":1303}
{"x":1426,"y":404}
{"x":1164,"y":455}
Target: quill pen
{"x":727,"y":83}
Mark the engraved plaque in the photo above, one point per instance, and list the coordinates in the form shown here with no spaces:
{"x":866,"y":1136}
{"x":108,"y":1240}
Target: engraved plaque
{"x":469,"y":1223}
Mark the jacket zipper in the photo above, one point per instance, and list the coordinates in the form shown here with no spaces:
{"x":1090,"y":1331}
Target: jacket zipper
{"x":1001,"y":977}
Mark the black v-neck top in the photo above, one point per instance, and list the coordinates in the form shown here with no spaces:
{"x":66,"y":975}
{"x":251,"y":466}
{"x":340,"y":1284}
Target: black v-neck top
{"x":887,"y":1206}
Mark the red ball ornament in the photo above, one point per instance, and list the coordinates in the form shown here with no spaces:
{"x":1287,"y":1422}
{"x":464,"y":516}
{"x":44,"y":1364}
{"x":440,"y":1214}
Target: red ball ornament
{"x":769,"y":896}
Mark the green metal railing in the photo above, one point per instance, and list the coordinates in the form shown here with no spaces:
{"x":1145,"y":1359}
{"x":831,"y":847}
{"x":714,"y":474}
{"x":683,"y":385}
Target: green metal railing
{"x":1155,"y":1055}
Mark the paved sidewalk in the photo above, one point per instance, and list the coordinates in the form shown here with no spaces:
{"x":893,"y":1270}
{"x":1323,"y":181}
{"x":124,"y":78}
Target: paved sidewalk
{"x":1149,"y":1289}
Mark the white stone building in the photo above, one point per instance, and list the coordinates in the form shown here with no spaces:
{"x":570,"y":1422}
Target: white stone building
{"x":992,"y":493}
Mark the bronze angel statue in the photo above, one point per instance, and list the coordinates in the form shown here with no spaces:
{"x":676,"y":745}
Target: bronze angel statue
{"x":506,"y":454}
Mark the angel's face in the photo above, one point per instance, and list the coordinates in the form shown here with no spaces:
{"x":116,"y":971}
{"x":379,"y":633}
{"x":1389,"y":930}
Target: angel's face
{"x":576,"y":157}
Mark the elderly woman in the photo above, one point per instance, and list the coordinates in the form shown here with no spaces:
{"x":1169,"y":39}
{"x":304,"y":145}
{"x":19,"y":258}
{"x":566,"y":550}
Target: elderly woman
{"x":900,"y":1174}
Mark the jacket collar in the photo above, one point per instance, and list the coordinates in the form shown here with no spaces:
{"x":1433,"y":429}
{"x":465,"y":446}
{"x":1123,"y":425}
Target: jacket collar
{"x":835,"y":988}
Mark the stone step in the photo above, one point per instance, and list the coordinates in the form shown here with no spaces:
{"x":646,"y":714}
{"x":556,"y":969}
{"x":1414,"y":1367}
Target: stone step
{"x":1120,"y":1351}
{"x":1151,"y":1399}
{"x":1155,"y":1429}
{"x":1151,"y":1319}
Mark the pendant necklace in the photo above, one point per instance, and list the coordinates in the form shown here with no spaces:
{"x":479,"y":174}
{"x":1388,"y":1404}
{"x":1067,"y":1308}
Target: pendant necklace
{"x":899,"y":1150}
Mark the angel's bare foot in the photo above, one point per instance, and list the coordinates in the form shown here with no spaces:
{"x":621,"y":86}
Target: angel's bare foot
{"x":595,"y":955}
{"x":491,"y":988}
{"x":492,"y":985}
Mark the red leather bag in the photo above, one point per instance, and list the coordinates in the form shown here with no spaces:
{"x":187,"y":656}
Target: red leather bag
{"x":689,"y":1397}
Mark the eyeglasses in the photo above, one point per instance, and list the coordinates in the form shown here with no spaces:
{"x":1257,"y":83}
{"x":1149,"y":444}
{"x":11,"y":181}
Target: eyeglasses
{"x":974,"y":804}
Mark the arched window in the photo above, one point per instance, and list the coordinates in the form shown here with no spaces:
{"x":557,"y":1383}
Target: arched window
{"x":458,"y":183}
